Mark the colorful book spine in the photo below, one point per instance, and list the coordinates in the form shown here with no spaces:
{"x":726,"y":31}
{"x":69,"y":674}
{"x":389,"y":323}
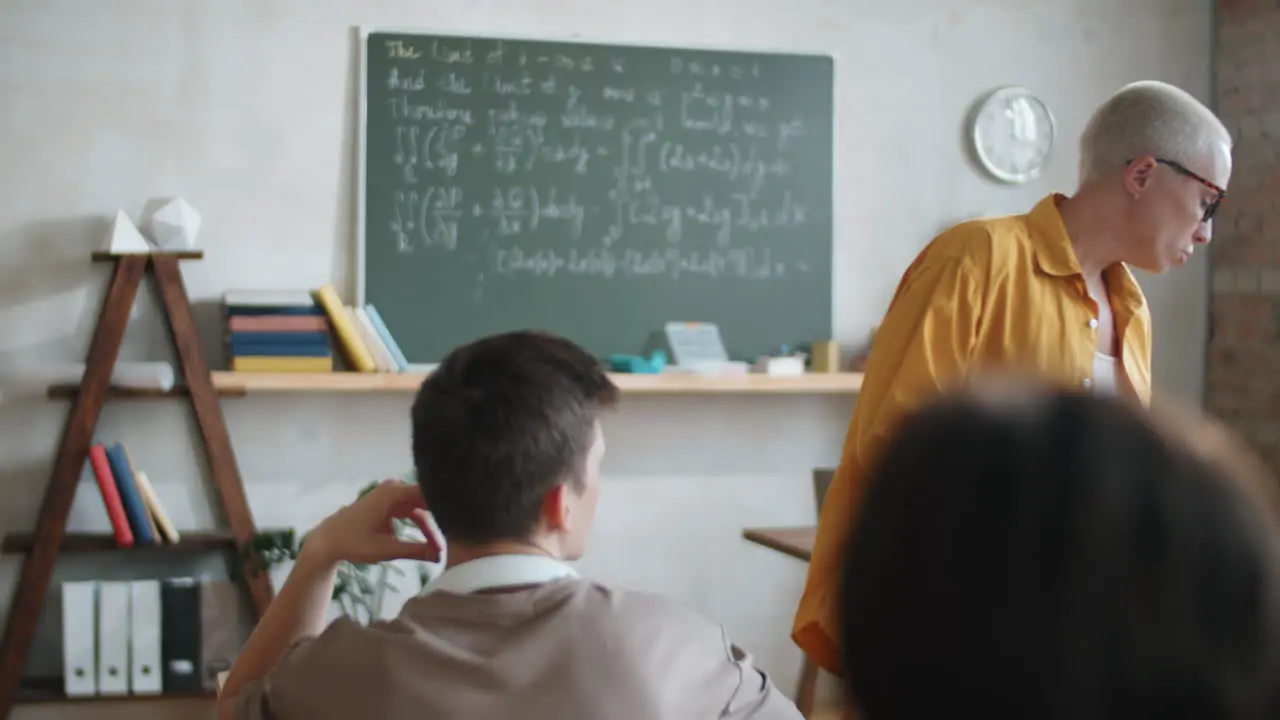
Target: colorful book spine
{"x":357,"y":353}
{"x":110,"y":495}
{"x":380,"y":327}
{"x":364,"y":328}
{"x":277,"y":331}
{"x":159,"y":517}
{"x":134,"y":507}
{"x":280,"y":364}
{"x":137,"y":516}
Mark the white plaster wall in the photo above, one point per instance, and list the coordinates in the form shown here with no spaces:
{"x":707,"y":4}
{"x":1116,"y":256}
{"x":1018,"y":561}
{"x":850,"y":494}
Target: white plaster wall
{"x":245,"y":108}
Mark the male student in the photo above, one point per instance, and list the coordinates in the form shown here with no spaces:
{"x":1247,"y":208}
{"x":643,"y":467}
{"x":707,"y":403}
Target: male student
{"x":1047,"y":292}
{"x":507,"y":444}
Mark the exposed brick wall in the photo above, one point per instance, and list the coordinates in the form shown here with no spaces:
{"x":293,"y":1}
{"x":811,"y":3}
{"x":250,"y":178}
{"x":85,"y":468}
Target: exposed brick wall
{"x":1242,"y":384}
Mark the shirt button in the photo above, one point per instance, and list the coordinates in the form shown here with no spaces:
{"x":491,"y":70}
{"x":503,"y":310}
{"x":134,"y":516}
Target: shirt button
{"x":1093,"y":322}
{"x":1087,"y":383}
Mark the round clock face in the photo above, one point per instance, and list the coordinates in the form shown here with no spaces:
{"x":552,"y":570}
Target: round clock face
{"x":1012,"y":134}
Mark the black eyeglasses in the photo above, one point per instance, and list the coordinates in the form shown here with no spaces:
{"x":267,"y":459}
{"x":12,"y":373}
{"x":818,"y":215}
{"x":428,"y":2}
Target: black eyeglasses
{"x":1183,"y":170}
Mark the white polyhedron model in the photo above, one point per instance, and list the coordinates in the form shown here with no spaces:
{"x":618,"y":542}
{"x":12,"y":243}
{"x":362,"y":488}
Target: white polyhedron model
{"x":123,"y":237}
{"x":175,"y":225}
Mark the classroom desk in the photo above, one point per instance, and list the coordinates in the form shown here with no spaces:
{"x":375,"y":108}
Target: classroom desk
{"x":796,"y":542}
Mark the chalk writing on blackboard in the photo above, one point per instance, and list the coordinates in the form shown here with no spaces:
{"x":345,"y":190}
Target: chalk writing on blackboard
{"x":594,"y":190}
{"x":698,"y":180}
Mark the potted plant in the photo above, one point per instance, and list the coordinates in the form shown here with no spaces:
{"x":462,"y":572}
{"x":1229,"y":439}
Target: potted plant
{"x":361,"y":588}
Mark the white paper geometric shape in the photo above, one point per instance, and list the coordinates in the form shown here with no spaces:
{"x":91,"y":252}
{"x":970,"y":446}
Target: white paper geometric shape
{"x":123,"y":237}
{"x":175,"y":225}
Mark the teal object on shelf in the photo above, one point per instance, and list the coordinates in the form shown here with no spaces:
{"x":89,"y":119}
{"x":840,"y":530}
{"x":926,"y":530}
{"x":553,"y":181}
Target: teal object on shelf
{"x":655,"y":363}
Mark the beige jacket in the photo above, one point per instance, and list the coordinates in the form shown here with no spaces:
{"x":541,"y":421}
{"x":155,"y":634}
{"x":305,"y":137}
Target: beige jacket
{"x":565,"y":649}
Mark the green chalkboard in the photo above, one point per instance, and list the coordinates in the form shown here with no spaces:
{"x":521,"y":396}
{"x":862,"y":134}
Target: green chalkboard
{"x":596,"y":191}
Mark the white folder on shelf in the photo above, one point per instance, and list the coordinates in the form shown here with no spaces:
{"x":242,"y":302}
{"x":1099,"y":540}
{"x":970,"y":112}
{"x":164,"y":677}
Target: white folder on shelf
{"x":113,"y":637}
{"x":79,"y":638}
{"x":144,"y":637}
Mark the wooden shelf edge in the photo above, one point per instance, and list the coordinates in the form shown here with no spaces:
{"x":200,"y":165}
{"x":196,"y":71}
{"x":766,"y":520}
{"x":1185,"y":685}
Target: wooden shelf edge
{"x":67,"y":392}
{"x":104,"y":256}
{"x":238,"y":384}
{"x":753,"y":384}
{"x":42,"y":691}
{"x":846,"y":383}
{"x":796,"y":542}
{"x":73,"y":542}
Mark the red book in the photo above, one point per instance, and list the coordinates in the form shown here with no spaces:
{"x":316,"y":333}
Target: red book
{"x":110,"y":495}
{"x":277,"y":323}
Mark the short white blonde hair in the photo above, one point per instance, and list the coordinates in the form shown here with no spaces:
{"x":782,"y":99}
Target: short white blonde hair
{"x":1147,"y":118}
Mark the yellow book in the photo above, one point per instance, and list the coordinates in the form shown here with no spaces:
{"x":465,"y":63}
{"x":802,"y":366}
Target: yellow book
{"x":152,"y":501}
{"x":353,"y":348}
{"x":281,"y":363}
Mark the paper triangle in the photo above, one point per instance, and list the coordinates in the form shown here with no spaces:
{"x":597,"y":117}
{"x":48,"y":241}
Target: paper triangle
{"x":124,"y":238}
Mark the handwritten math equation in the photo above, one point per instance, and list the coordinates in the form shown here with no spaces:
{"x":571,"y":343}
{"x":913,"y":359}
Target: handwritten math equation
{"x":591,"y":167}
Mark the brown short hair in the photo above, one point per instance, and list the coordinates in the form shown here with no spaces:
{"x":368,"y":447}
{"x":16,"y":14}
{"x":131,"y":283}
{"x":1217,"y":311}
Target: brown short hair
{"x":499,"y":423}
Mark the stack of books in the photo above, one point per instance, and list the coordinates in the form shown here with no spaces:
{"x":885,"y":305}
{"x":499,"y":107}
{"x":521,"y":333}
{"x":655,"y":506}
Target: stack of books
{"x":277,"y":331}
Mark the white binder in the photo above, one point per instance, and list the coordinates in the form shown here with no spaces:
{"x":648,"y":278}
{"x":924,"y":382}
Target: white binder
{"x":79,"y":638}
{"x":144,"y":637}
{"x":113,"y":637}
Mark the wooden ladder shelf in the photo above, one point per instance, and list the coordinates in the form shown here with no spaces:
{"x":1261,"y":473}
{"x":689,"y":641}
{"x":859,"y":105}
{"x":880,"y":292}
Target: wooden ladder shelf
{"x":42,"y":548}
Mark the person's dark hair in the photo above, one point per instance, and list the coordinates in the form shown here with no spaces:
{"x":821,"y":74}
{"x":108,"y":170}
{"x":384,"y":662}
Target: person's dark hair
{"x":503,"y":420}
{"x":1057,"y":555}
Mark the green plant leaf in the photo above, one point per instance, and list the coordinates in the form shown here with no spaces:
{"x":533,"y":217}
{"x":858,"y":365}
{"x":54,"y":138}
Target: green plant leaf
{"x":357,"y":586}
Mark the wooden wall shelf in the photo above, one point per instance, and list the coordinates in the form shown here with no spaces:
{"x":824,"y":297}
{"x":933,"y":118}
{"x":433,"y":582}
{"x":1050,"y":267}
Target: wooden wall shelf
{"x":104,"y":256}
{"x":232,"y":383}
{"x":237,"y":384}
{"x":50,"y":690}
{"x":67,"y":392}
{"x":190,"y":542}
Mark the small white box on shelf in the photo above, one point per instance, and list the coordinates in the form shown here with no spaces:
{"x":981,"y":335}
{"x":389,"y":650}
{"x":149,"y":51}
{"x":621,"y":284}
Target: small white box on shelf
{"x":784,"y":365}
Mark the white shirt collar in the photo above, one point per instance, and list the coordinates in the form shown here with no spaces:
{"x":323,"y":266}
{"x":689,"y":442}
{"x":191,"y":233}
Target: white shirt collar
{"x":499,"y":571}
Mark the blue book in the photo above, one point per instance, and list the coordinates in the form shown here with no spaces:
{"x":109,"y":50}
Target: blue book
{"x":130,"y":497}
{"x":380,"y":327}
{"x":274,"y":310}
{"x":278,"y":350}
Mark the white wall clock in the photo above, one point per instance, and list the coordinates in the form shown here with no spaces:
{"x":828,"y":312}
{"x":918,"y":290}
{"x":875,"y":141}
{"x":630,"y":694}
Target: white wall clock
{"x":1012,"y":134}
